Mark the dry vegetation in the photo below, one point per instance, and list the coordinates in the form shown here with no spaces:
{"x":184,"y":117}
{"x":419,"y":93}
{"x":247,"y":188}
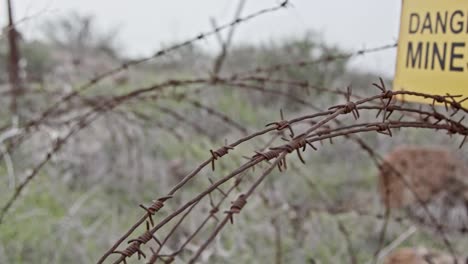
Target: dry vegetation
{"x":258,"y":154}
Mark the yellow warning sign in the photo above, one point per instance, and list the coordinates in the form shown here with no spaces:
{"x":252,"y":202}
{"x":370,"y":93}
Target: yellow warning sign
{"x":433,"y":48}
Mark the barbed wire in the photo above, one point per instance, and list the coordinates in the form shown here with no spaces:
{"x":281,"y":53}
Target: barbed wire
{"x":318,"y":132}
{"x":448,"y":100}
{"x":162,"y":52}
{"x":324,"y":59}
{"x":322,"y":125}
{"x":295,"y":144}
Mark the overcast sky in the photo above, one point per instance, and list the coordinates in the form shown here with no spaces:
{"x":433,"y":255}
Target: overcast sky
{"x":146,"y":24}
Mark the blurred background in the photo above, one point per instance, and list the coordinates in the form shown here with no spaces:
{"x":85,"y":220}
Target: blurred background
{"x":86,"y":195}
{"x":143,"y":30}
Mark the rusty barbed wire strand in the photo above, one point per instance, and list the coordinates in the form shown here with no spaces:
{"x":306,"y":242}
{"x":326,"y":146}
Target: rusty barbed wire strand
{"x":229,"y":81}
{"x":435,"y":98}
{"x":236,"y":76}
{"x":211,"y":160}
{"x":211,"y":214}
{"x":389,"y":94}
{"x":110,"y":103}
{"x":378,"y":160}
{"x":242,"y":199}
{"x":155,"y":256}
{"x":349,"y":107}
{"x":236,"y":207}
{"x":305,"y":85}
{"x":213,"y":187}
{"x":186,"y":179}
{"x":137,"y":93}
{"x":82,"y":123}
{"x":157,"y":54}
{"x":35,"y":122}
{"x":323,"y":59}
{"x":183,"y":97}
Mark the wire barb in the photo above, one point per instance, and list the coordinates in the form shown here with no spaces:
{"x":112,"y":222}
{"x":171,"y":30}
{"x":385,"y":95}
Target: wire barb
{"x":219,"y":153}
{"x":155,"y":207}
{"x":236,"y":207}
